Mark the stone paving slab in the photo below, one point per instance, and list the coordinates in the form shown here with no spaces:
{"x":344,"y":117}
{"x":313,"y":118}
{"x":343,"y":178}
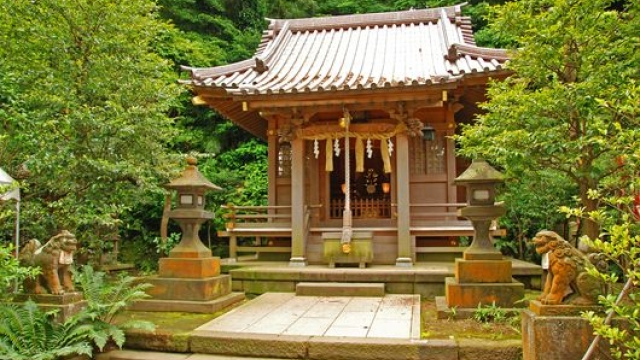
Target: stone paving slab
{"x":279,"y":314}
{"x":339,"y":289}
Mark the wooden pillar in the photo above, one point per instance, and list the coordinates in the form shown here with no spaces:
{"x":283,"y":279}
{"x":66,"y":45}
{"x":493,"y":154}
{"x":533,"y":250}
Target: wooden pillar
{"x":450,"y":146}
{"x":233,"y":248}
{"x":298,"y":233}
{"x":272,"y":169}
{"x":405,"y":257}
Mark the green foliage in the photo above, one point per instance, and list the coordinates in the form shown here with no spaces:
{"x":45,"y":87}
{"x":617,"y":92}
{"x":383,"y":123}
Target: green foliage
{"x":620,"y":239}
{"x":621,"y":245}
{"x":86,"y":108}
{"x":27,"y":333}
{"x":532,"y":199}
{"x":571,"y":56}
{"x":164,"y":247}
{"x":218,"y":31}
{"x":291,"y":9}
{"x":241,"y":173}
{"x":490,"y":313}
{"x":106,"y":299}
{"x":11,"y":273}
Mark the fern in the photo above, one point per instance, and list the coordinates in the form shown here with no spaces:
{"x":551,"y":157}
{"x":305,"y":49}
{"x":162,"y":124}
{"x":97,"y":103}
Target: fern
{"x":107,"y":299}
{"x":27,"y":333}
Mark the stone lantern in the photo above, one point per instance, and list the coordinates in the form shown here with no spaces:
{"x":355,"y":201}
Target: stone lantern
{"x":189,"y":279}
{"x":481,"y":180}
{"x":190,"y":212}
{"x":482,"y":276}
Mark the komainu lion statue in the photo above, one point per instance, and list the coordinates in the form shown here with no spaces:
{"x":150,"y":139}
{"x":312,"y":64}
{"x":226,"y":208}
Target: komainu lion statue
{"x":568,"y":281}
{"x":54,"y":259}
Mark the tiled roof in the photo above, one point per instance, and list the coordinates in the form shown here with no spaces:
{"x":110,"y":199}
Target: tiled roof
{"x":368,"y":51}
{"x":353,"y":52}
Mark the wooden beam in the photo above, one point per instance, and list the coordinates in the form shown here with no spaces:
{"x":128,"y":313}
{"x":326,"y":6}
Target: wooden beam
{"x":335,"y":102}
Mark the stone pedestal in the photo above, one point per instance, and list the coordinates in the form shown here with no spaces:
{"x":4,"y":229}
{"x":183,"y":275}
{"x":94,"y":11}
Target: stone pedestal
{"x":67,"y":304}
{"x":189,"y":285}
{"x":482,"y":282}
{"x":558,"y":332}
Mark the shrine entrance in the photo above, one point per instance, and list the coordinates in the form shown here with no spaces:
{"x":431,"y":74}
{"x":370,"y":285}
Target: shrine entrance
{"x":370,"y":189}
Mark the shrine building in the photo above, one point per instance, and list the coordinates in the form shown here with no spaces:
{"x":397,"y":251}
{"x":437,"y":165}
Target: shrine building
{"x":357,"y":112}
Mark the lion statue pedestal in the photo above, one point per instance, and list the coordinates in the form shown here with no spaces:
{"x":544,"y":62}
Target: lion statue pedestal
{"x":53,"y":288}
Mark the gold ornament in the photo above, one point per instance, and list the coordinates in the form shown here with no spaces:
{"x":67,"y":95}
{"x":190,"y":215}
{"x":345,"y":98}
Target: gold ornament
{"x":346,"y":248}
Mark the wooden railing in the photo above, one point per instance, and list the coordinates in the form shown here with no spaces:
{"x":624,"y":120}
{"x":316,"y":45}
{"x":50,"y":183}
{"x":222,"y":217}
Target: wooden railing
{"x":362,"y":208}
{"x":259,"y":222}
{"x":436,"y":211}
{"x":442,"y":219}
{"x":237,"y":215}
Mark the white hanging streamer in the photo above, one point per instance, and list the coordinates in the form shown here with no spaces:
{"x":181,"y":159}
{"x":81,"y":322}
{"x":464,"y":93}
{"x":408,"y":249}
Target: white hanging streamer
{"x":316,"y":148}
{"x":369,"y":149}
{"x":390,"y":147}
{"x":336,"y":147}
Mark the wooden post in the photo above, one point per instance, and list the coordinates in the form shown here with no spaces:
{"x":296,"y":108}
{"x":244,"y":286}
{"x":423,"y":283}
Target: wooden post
{"x":298,"y":234}
{"x":450,"y":146}
{"x":231,"y":225}
{"x":233,"y":247}
{"x":272,"y":169}
{"x":405,"y":257}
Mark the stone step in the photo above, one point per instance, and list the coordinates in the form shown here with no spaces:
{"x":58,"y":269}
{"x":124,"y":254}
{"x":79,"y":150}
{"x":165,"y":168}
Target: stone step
{"x":339,"y":289}
{"x":153,"y":355}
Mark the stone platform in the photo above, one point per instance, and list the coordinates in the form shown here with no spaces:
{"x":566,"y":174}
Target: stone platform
{"x":425,"y":279}
{"x":286,"y":326}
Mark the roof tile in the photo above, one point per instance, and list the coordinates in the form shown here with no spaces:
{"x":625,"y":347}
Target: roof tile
{"x":356,"y":52}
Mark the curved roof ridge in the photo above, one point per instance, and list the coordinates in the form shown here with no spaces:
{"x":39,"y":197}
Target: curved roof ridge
{"x":475,"y":52}
{"x":220,"y":70}
{"x":369,"y":19}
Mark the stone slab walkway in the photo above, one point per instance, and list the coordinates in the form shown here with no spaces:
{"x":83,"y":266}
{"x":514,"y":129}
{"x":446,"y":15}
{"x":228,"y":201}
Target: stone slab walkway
{"x":391,"y":316}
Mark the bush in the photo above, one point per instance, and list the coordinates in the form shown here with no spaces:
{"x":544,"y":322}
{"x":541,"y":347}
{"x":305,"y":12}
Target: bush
{"x":11,"y":273}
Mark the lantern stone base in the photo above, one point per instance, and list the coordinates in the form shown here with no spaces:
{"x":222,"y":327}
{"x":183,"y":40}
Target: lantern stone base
{"x":470,"y":295}
{"x":189,"y":285}
{"x":551,"y":332}
{"x":482,"y":282}
{"x":188,"y":295}
{"x":189,"y":268}
{"x":204,"y":289}
{"x":483,"y":271}
{"x":67,"y":304}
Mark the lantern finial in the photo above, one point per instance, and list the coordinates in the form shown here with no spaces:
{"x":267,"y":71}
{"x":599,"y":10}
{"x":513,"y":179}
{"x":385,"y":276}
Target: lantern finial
{"x":191,"y":160}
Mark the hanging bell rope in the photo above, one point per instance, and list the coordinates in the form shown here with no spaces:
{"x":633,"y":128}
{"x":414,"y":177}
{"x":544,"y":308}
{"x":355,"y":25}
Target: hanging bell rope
{"x":347,"y":232}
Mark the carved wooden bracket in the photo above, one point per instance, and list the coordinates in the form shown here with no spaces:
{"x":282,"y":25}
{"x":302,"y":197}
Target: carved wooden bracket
{"x":404,"y":115}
